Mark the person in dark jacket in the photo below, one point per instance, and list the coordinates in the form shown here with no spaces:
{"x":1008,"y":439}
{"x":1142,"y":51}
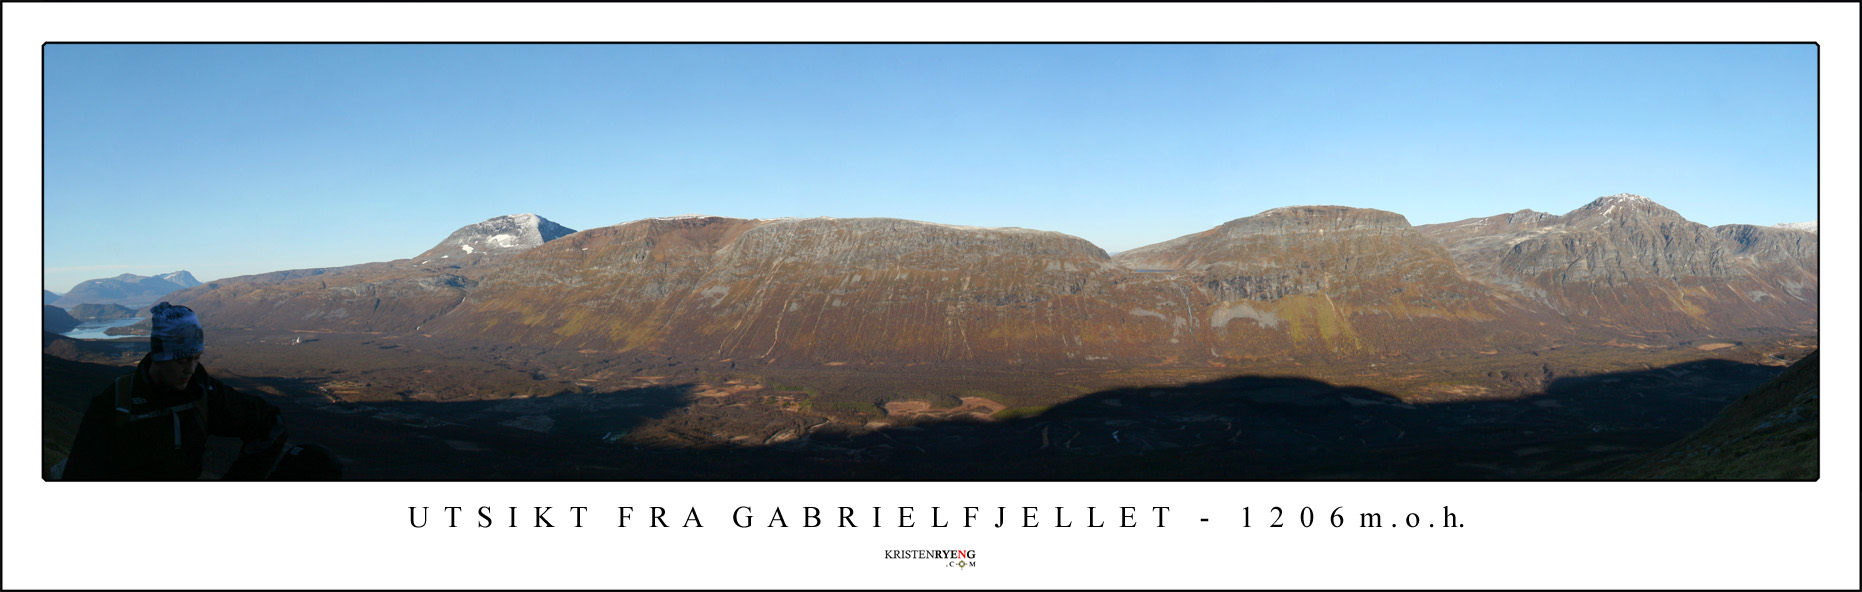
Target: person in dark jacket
{"x":153,"y":424}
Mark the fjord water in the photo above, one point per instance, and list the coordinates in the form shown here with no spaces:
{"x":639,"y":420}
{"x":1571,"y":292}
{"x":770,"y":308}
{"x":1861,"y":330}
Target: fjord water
{"x":95,"y":329}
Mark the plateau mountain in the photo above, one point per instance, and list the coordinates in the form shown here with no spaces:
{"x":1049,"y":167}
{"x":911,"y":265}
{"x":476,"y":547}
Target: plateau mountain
{"x":806,"y":290}
{"x":1347,"y":278}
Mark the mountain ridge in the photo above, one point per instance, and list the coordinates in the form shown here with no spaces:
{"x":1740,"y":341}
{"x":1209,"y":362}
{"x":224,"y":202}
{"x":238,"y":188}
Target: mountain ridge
{"x":126,"y":289}
{"x":1296,"y":281}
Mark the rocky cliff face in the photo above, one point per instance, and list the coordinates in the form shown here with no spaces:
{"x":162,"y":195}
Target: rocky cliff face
{"x":1344,"y":253}
{"x":1316,"y":279}
{"x":1626,"y":264}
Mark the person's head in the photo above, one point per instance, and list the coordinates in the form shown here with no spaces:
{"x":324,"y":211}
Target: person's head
{"x":175,"y":344}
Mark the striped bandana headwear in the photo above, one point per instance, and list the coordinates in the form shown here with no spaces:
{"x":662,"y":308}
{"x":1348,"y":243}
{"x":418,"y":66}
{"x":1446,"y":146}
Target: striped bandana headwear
{"x":175,"y":333}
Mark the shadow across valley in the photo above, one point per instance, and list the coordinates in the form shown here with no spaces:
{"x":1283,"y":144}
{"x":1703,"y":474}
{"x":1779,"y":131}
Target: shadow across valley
{"x":1290,"y":428}
{"x":1235,"y":429}
{"x":566,"y":437}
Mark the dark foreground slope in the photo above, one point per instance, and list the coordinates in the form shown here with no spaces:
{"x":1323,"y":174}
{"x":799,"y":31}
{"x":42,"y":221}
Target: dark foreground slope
{"x":1768,"y":434}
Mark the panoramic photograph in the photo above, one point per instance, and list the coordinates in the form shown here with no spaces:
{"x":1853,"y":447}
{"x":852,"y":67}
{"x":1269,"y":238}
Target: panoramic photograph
{"x":930,"y":262}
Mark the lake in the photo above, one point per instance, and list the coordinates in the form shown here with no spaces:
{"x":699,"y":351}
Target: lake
{"x":94,"y":329}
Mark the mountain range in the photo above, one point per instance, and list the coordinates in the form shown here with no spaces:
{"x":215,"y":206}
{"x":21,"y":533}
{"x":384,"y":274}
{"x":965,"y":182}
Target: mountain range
{"x":127,"y":289}
{"x":1332,"y":281}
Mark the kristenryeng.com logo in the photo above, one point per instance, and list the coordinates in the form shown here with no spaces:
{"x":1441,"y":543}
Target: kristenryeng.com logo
{"x":950,"y":557}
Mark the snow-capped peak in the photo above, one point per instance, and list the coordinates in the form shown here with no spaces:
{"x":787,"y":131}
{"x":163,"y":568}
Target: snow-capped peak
{"x":1621,"y":204}
{"x":1623,"y":198}
{"x":516,"y":232}
{"x":184,"y":279}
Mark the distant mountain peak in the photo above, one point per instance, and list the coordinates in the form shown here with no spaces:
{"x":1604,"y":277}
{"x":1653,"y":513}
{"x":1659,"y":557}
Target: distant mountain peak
{"x":181,"y":278}
{"x":127,"y":289}
{"x":503,"y":234}
{"x":1623,"y":204}
{"x":1621,"y":200}
{"x":1624,"y":197}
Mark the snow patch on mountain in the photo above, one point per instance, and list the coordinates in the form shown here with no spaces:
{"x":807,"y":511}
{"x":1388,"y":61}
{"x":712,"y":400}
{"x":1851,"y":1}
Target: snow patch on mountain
{"x":181,"y":278}
{"x":503,"y":234}
{"x":1810,"y":227}
{"x":1623,"y":198}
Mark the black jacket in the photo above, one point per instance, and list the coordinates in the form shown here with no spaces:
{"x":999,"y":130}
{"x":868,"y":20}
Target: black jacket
{"x":164,"y":446}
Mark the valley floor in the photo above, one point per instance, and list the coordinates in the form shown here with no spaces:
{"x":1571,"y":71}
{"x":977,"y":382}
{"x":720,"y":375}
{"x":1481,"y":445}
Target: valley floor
{"x":415,"y":408}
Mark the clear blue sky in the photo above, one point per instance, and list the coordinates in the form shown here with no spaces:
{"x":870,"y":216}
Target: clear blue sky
{"x":236,"y":159}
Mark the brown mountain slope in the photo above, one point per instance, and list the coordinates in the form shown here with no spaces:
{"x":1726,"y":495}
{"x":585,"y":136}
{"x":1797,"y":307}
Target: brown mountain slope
{"x":804,"y":290}
{"x":1625,"y":267}
{"x":1334,"y":282}
{"x":368,"y":297}
{"x":1312,"y":280}
{"x":1328,"y":278}
{"x":397,"y":295}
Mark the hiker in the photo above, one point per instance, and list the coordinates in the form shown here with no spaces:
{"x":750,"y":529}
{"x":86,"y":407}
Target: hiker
{"x":152,"y":424}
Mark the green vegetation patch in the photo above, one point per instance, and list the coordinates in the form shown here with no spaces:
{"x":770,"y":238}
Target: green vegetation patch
{"x":860,"y":407}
